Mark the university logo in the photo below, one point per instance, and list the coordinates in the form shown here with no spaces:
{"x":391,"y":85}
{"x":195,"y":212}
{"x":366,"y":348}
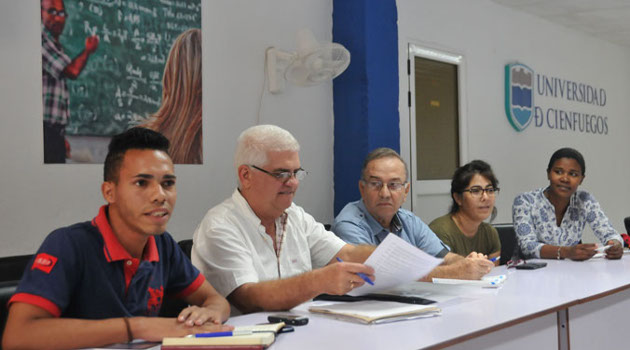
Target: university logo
{"x":519,"y":95}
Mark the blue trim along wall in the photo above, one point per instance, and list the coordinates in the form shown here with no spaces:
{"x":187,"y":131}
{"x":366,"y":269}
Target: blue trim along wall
{"x":365,"y":96}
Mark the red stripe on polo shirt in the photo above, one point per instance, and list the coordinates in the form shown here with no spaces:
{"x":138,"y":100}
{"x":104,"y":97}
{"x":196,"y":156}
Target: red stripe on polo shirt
{"x":191,"y":287}
{"x":114,"y":251}
{"x":151,"y":251}
{"x":36,"y":300}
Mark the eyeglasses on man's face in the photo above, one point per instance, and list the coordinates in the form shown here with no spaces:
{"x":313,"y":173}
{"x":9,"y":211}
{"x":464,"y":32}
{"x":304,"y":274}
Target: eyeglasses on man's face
{"x":477,"y":191}
{"x":393,"y":186}
{"x":284,"y":176}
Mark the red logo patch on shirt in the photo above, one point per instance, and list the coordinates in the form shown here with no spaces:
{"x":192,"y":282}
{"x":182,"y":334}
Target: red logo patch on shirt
{"x":44,"y":262}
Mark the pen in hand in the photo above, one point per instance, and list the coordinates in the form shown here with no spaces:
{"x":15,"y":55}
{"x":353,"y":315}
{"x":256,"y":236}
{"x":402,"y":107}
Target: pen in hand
{"x":360,"y":274}
{"x":495,"y":258}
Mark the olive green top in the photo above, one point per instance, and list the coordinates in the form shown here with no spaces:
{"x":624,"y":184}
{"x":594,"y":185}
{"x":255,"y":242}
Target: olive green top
{"x":485,"y":241}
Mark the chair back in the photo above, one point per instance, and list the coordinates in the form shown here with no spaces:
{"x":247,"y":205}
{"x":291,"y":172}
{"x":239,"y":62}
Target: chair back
{"x":11,"y":270}
{"x":186,"y":246}
{"x":509,"y":245}
{"x":7,"y":288}
{"x":12,"y":267}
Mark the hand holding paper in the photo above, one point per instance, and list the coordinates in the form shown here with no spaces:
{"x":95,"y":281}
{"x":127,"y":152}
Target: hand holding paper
{"x":396,"y":262}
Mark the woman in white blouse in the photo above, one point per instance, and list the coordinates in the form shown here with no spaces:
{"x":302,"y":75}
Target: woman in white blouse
{"x":549,"y":221}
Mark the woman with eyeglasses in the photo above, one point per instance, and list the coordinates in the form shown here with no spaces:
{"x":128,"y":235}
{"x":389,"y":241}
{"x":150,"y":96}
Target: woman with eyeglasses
{"x":473,"y":190}
{"x":549,"y":221}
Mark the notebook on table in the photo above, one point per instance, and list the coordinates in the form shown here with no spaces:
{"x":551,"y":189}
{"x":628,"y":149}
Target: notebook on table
{"x":261,"y":336}
{"x":375,"y":312}
{"x":213,"y":347}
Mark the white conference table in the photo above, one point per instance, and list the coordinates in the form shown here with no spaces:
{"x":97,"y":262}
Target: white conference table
{"x":583,"y":305}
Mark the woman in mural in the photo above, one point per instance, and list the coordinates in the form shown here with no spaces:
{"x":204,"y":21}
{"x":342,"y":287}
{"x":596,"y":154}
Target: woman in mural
{"x":473,"y":190}
{"x":549,"y":221}
{"x":179,"y":116}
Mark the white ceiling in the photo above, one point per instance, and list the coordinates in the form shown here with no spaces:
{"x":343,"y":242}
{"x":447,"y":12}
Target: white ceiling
{"x":605,"y":19}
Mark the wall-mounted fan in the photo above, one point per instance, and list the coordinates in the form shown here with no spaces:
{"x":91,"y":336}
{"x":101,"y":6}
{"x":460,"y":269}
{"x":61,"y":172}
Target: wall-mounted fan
{"x":311,"y":64}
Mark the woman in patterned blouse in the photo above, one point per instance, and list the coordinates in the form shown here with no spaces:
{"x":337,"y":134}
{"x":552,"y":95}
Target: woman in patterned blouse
{"x":549,"y":221}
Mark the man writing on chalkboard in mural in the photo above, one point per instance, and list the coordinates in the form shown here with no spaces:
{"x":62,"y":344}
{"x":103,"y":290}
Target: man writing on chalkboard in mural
{"x":56,"y":67}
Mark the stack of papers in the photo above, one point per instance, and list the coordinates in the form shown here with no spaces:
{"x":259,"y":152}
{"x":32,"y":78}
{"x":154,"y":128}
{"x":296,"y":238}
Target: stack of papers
{"x":374,"y":312}
{"x":486,"y":282}
{"x":395,"y":262}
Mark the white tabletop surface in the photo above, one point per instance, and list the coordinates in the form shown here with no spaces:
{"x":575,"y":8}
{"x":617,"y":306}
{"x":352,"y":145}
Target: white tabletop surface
{"x":526,"y":294}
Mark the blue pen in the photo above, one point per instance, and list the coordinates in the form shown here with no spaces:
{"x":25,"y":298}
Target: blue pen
{"x":495,"y":258}
{"x":362,"y":275}
{"x":222,"y":334}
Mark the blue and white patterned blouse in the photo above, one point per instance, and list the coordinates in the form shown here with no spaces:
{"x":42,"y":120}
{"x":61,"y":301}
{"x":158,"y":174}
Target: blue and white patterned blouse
{"x":534,"y":220}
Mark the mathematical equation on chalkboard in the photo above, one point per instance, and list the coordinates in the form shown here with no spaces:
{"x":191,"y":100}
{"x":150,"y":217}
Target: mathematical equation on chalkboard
{"x":121,"y":85}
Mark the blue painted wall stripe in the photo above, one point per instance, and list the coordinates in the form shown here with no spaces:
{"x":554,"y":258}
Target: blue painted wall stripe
{"x":365,"y":96}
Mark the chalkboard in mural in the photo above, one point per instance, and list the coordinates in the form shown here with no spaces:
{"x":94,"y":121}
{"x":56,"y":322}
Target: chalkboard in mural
{"x":103,"y":63}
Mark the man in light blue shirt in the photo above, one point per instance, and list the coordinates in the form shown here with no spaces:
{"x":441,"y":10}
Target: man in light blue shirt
{"x":384,"y":188}
{"x":356,"y":225}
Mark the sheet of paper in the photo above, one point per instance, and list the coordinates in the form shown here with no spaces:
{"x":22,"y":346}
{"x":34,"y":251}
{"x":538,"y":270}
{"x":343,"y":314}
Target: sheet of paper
{"x":396,"y":262}
{"x":602,"y":248}
{"x":444,"y":295}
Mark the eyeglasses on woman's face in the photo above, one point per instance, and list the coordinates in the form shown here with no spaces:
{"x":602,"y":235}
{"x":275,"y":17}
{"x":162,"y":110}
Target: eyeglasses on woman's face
{"x":478,"y":191}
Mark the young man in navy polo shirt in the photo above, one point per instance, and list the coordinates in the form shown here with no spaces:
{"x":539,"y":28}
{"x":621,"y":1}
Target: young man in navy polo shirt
{"x":98,"y":282}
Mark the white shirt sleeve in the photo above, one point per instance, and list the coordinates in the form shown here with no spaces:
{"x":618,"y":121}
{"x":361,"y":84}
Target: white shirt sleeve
{"x":323,"y":245}
{"x":221,"y":253}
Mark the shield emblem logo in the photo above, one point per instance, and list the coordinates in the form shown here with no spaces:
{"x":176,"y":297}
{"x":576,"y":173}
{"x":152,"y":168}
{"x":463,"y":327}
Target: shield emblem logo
{"x":519,"y":95}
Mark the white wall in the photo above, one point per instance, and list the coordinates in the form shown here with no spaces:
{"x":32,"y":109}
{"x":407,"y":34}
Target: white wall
{"x":37,"y":198}
{"x":490,"y":36}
